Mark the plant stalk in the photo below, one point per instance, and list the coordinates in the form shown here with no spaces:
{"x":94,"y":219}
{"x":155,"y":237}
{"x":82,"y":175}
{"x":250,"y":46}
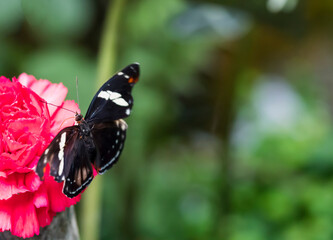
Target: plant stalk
{"x":92,"y":207}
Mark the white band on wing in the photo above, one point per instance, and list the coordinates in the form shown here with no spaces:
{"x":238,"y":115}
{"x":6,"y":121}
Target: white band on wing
{"x":114,"y":96}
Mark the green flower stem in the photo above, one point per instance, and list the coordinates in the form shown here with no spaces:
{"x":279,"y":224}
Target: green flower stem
{"x":92,"y":207}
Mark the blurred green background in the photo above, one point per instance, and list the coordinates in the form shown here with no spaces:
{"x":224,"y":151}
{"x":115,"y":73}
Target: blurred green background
{"x":231,"y":133}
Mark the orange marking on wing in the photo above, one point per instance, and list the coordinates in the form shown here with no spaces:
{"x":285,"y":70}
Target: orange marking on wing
{"x":44,"y":169}
{"x":132,"y":80}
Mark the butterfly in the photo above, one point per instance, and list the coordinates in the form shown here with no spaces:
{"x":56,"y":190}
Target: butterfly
{"x":96,"y":140}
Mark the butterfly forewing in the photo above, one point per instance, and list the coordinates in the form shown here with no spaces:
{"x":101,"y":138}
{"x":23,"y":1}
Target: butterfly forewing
{"x":114,"y":100}
{"x":57,"y":154}
{"x":69,"y":161}
{"x":109,"y":140}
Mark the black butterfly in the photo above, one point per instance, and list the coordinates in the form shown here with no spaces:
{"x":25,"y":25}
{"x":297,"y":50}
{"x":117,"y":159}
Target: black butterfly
{"x":97,"y":140}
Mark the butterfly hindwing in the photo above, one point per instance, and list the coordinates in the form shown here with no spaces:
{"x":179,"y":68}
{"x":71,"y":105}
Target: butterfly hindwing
{"x":109,"y":140}
{"x":80,"y":173}
{"x":114,"y":100}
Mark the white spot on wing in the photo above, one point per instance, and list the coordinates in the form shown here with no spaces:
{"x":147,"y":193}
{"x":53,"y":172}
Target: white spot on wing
{"x":114,"y":96}
{"x":61,"y":168}
{"x":61,"y":153}
{"x":128,"y":111}
{"x":122,"y":124}
{"x":103,"y":94}
{"x":86,"y":183}
{"x":120,"y":73}
{"x":102,"y":170}
{"x":45,"y":157}
{"x":109,"y":95}
{"x":120,"y":102}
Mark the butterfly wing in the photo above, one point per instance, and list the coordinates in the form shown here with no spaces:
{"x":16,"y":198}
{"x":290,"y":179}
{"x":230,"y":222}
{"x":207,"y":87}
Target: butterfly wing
{"x":68,"y":160}
{"x":57,"y":152}
{"x":109,"y":140}
{"x":80,"y":173}
{"x":114,"y":100}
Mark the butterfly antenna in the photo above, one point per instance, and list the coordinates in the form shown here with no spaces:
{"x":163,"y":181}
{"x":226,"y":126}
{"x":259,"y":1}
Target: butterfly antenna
{"x":57,"y":106}
{"x":77,"y":91}
{"x":65,"y":121}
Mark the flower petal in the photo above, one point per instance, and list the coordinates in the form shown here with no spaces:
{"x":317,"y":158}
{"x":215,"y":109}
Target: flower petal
{"x":18,"y":183}
{"x":23,"y":216}
{"x":58,"y":200}
{"x":5,"y":217}
{"x":63,"y":118}
{"x":4,"y":80}
{"x":54,"y":93}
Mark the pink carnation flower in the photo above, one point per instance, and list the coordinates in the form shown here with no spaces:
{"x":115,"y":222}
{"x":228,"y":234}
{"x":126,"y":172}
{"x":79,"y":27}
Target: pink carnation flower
{"x":27,"y":126}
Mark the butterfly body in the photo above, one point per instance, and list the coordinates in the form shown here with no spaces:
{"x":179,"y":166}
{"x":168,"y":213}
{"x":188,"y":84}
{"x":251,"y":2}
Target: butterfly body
{"x":97,"y":140}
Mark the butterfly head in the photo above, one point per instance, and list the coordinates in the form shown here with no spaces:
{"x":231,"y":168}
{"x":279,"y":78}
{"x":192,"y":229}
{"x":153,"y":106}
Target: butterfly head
{"x":78,"y":117}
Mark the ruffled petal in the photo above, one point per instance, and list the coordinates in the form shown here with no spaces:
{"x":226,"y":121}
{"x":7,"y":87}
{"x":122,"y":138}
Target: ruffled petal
{"x":5,"y":217}
{"x":54,"y":93}
{"x":25,"y":79}
{"x":41,"y":202}
{"x":24,"y":219}
{"x":58,"y":200}
{"x":18,"y":183}
{"x":63,"y":118}
{"x":44,"y":216}
{"x":4,"y":80}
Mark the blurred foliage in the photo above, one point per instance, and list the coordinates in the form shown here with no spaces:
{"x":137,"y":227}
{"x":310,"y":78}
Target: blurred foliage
{"x":230,"y":136}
